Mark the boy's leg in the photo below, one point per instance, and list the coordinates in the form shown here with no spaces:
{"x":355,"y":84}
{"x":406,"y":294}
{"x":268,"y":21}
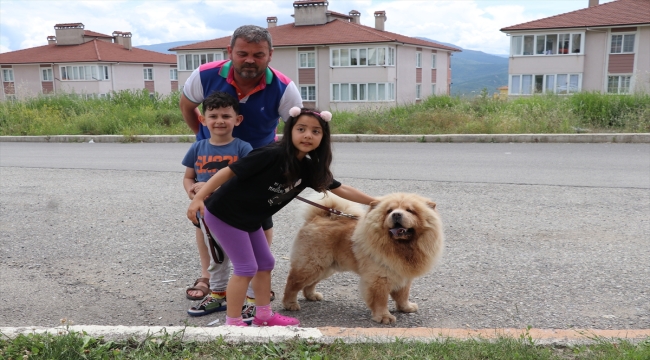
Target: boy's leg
{"x":218,"y":274}
{"x":204,"y":256}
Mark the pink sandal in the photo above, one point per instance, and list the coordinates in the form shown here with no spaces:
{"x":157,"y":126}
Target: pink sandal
{"x":276,"y":320}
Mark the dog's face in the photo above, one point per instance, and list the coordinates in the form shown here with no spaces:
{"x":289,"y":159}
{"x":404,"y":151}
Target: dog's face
{"x":403,"y":214}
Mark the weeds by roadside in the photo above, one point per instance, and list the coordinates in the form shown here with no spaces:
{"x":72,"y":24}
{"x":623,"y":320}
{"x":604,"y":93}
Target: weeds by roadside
{"x":71,"y":345}
{"x":131,"y":113}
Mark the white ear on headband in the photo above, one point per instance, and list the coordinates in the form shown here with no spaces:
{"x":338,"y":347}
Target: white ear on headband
{"x":294,"y":111}
{"x":325,"y":115}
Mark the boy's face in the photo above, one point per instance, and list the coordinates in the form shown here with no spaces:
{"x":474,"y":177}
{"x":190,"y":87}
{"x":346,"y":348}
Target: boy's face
{"x":221,"y":121}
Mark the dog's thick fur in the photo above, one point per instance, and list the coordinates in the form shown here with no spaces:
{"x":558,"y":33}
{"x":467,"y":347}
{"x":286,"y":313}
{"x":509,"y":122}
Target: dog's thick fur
{"x":386,"y":261}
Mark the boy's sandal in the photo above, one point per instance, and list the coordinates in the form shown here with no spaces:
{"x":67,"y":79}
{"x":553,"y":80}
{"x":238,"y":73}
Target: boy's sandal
{"x":204,"y":290}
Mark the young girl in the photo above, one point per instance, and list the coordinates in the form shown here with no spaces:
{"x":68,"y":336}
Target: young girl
{"x":256,"y":187}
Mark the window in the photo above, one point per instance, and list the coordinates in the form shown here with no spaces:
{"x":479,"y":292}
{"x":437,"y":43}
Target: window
{"x":363,"y":92}
{"x":46,"y":74}
{"x":433,"y":89}
{"x":433,"y":61}
{"x":189,"y":62}
{"x":308,"y":92}
{"x":374,"y":56}
{"x":307,"y":59}
{"x":418,"y":59}
{"x":84,"y":72}
{"x":173,"y":74}
{"x":539,"y":83}
{"x":546,"y":44}
{"x":619,"y":84}
{"x":148,"y":74}
{"x":418,"y":91}
{"x":8,"y":75}
{"x":622,"y":44}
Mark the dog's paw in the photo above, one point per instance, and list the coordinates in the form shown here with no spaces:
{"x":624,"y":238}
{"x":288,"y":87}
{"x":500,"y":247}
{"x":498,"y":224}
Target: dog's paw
{"x":291,"y":306}
{"x":408,"y":308}
{"x":315,"y":296}
{"x":384,"y":318}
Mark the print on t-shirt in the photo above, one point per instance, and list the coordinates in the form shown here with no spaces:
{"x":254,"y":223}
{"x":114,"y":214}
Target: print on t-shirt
{"x":285,"y":193}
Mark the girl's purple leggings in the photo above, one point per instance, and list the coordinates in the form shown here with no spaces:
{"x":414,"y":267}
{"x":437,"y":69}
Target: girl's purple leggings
{"x":248,"y":251}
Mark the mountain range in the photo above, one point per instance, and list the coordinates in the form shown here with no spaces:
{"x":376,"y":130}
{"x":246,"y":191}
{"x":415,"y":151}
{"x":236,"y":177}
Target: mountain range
{"x":471,"y":70}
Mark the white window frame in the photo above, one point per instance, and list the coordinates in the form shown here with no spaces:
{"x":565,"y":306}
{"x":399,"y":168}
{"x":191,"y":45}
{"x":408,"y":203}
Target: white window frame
{"x":147,"y":73}
{"x":518,"y":44}
{"x":362,"y":92}
{"x":530,"y":79}
{"x":74,"y":72}
{"x":623,"y":36}
{"x":418,"y":91}
{"x":418,"y":59}
{"x":306,"y":59}
{"x":433,"y":60}
{"x":47,"y":74}
{"x":433,"y":89}
{"x":173,"y":74}
{"x":310,"y":91}
{"x":194,"y":60}
{"x":352,"y":56}
{"x":620,"y":83}
{"x":8,"y":75}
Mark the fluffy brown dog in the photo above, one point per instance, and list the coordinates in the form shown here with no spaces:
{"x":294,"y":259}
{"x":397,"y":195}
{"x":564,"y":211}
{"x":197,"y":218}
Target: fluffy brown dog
{"x":398,"y":239}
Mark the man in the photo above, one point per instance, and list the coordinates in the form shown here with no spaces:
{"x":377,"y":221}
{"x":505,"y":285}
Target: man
{"x":265,"y":95}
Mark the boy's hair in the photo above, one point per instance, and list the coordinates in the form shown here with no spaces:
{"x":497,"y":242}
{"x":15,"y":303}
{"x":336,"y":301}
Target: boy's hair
{"x":218,"y":100}
{"x":252,"y":34}
{"x":320,"y":176}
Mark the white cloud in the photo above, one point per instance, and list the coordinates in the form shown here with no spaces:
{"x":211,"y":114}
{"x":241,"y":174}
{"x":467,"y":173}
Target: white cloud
{"x":471,"y":24}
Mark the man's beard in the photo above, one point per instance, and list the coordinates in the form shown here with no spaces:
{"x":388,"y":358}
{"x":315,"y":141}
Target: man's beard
{"x":249,"y":72}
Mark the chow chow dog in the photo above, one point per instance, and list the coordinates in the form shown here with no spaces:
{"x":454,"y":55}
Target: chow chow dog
{"x":397,"y":239}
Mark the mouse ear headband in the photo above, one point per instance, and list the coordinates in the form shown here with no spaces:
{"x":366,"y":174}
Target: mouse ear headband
{"x":325,"y":115}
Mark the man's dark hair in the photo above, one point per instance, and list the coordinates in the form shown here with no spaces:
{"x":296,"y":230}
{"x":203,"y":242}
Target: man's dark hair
{"x":252,"y":34}
{"x":218,"y":100}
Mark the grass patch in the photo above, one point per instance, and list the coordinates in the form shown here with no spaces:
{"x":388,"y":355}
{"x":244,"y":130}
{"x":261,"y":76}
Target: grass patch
{"x":132,"y":113}
{"x":72,"y":345}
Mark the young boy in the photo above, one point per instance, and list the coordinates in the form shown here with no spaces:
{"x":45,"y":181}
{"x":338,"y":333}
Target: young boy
{"x":204,"y":159}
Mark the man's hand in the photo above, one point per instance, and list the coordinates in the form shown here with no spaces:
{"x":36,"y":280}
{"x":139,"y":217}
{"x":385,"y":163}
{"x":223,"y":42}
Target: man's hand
{"x":194,"y":189}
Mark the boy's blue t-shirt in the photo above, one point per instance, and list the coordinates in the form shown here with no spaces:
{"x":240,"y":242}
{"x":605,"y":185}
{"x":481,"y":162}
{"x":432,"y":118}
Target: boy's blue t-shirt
{"x":207,"y":159}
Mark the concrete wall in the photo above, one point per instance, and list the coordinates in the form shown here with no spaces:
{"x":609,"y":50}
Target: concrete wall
{"x":405,"y":81}
{"x":128,"y":76}
{"x":549,"y":64}
{"x":27,"y":80}
{"x":595,"y":72}
{"x":642,"y":65}
{"x":162,"y":82}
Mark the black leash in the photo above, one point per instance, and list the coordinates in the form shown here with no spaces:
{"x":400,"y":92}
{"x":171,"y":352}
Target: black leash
{"x":333,"y":211}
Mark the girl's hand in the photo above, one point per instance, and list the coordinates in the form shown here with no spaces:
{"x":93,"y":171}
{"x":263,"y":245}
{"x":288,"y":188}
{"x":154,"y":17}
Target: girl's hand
{"x":196,"y":205}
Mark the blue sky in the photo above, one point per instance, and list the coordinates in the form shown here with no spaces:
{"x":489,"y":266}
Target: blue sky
{"x":471,"y":24}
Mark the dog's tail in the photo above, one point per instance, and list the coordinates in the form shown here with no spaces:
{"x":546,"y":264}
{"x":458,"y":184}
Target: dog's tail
{"x":333,"y":202}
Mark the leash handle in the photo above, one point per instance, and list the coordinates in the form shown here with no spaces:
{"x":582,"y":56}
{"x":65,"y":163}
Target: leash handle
{"x":333,"y":211}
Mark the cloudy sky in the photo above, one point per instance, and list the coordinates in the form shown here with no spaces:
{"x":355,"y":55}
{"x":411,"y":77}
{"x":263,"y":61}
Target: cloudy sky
{"x":470,"y":24}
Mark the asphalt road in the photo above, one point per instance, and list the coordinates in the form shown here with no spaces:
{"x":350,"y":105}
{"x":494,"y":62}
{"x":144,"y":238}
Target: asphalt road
{"x":546,"y":235}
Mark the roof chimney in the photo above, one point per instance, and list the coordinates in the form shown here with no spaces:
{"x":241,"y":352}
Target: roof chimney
{"x":356,"y":16}
{"x":69,"y":34}
{"x":310,"y":12}
{"x":272,"y":21}
{"x":51,"y":40}
{"x":380,"y":19}
{"x":122,"y":38}
{"x":593,"y":3}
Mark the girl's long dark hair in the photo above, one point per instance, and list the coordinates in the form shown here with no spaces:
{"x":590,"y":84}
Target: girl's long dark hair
{"x":319,"y":174}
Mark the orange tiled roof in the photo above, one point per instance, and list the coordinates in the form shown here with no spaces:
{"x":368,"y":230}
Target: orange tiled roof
{"x":332,"y":33}
{"x":616,"y":13}
{"x":96,"y":34}
{"x":91,"y":51}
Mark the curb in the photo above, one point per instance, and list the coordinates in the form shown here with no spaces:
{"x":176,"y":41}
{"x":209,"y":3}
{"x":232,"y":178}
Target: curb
{"x":330,"y":334}
{"x":449,"y":138}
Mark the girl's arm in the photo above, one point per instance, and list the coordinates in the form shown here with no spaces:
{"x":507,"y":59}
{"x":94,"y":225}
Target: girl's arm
{"x":352,"y":194}
{"x":215,"y":181}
